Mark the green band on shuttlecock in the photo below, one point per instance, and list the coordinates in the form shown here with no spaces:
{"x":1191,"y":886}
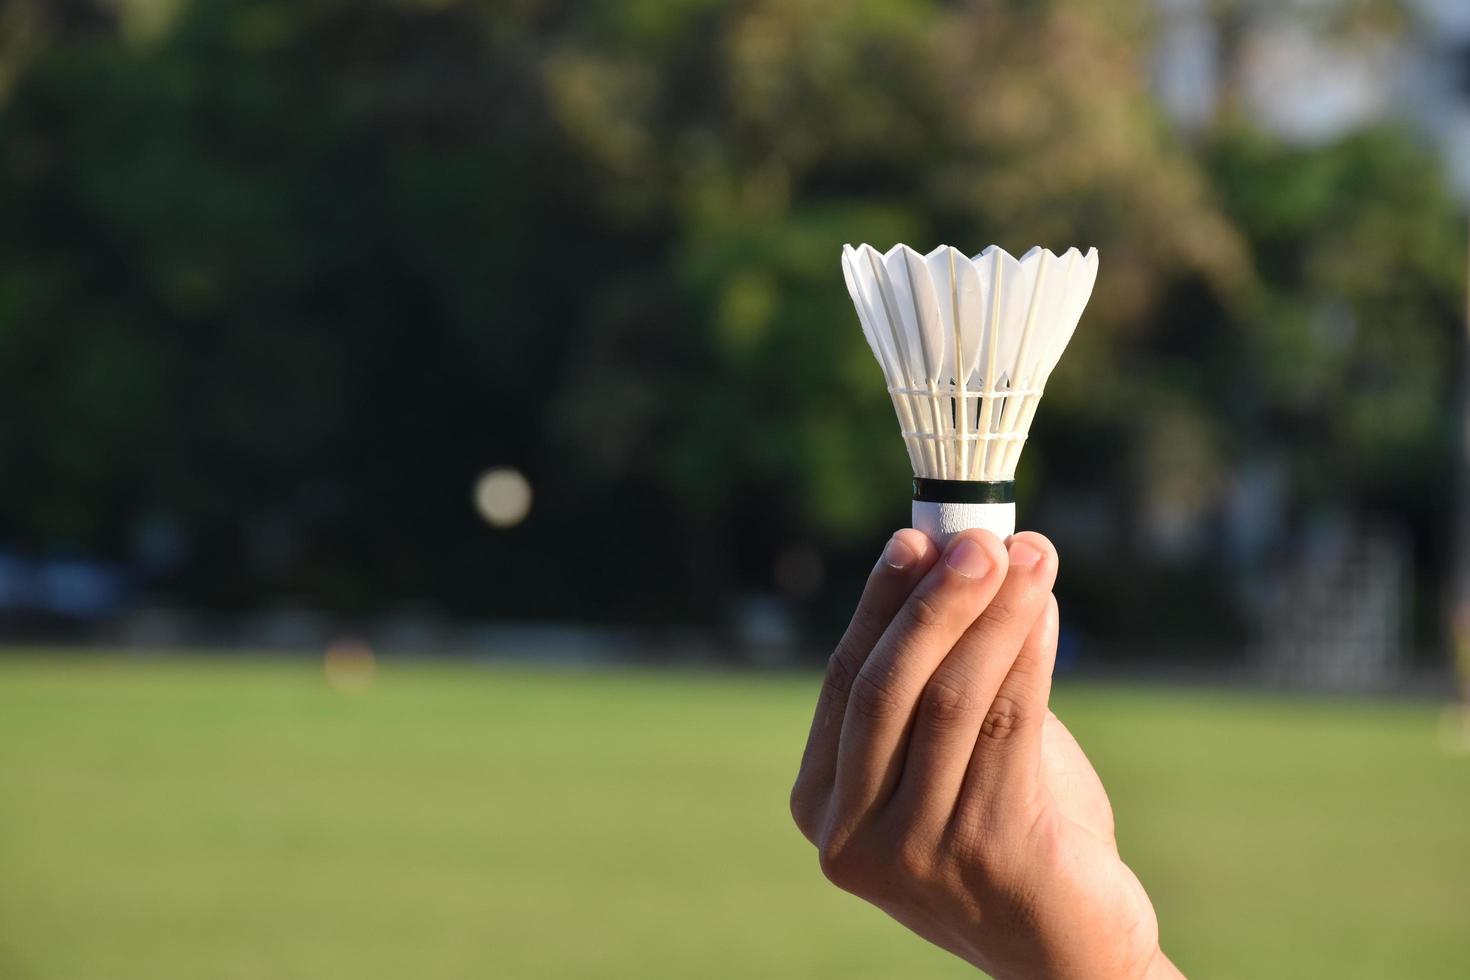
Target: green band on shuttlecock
{"x":965,"y":491}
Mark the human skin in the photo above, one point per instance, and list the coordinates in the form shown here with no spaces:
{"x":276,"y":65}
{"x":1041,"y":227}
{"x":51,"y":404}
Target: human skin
{"x":937,"y":784}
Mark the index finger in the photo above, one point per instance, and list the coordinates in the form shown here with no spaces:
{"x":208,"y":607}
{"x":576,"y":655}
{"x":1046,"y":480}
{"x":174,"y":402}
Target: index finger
{"x":884,"y":693}
{"x":906,"y":558}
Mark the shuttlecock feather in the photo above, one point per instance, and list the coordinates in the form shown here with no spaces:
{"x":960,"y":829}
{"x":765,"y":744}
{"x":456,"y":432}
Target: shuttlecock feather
{"x":966,"y":346}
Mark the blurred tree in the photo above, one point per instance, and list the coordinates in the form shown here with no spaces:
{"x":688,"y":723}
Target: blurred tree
{"x":30,"y":27}
{"x":1351,"y":335}
{"x":294,"y":271}
{"x":766,"y":134}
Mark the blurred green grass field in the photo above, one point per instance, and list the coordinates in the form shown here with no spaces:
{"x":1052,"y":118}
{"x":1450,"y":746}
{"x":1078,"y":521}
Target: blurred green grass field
{"x":231,"y":818}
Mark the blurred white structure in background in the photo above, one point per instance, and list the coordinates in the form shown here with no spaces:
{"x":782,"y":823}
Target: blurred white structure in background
{"x":1437,"y":84}
{"x":1339,"y":621}
{"x":1312,"y":89}
{"x":1187,"y":62}
{"x":1309,"y":71}
{"x":1282,"y":64}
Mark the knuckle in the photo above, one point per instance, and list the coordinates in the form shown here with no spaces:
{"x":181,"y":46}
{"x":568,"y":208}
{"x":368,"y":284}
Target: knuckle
{"x":925,"y":610}
{"x":803,"y":813}
{"x":985,"y":861}
{"x":1001,"y":614}
{"x":841,"y":864}
{"x":865,"y":622}
{"x":1023,"y":673}
{"x":840,"y":673}
{"x":945,"y":703}
{"x":970,"y":844}
{"x":872,"y":699}
{"x":914,"y":856}
{"x":1002,"y":719}
{"x":990,"y":856}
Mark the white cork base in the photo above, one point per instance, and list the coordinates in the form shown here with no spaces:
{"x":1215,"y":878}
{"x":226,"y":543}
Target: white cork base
{"x":943,"y":521}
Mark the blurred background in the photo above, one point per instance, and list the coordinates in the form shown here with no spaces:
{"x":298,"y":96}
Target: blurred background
{"x":439,"y":452}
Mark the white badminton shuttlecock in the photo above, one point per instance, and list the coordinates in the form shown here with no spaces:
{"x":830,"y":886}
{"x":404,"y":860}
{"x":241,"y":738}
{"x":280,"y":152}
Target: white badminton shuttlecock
{"x":966,"y":346}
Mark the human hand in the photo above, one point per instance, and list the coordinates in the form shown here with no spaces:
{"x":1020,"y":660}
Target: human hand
{"x":937,"y":785}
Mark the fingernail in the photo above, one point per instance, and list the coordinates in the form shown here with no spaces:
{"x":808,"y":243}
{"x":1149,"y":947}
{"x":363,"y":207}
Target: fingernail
{"x":968,"y":558}
{"x":897,"y":555}
{"x":1023,"y":555}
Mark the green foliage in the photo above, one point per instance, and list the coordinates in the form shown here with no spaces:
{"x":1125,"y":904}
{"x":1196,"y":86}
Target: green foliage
{"x":1350,"y":336}
{"x":296,"y":270}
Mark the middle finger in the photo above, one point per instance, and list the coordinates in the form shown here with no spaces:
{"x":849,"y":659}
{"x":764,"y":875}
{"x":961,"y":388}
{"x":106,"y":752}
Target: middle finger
{"x":880,"y":706}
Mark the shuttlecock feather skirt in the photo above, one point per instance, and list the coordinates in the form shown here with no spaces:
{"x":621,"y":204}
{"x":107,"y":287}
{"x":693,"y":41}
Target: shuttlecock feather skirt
{"x":966,"y":345}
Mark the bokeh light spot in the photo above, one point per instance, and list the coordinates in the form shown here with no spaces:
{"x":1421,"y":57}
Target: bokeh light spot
{"x":503,"y":496}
